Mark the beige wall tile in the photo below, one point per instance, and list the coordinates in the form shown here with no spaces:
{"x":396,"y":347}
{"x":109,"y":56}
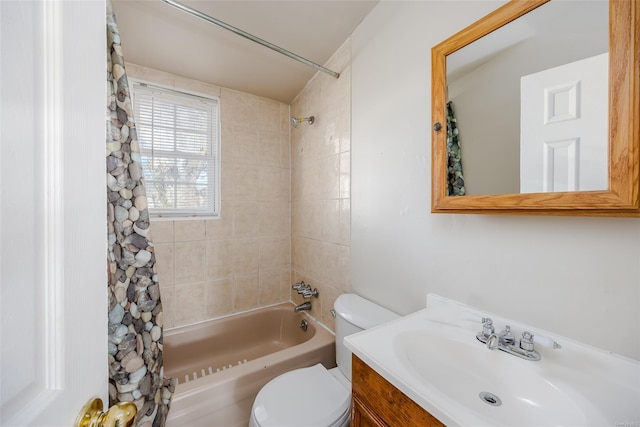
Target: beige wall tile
{"x":227,"y":259}
{"x":246,"y":222}
{"x":315,"y":264}
{"x":246,"y":146}
{"x":285,"y":150}
{"x":219,"y":296}
{"x":345,"y":175}
{"x":344,"y":268}
{"x":312,"y":181}
{"x":239,"y":108}
{"x":189,"y":303}
{"x":328,"y":297}
{"x":284,"y":119}
{"x":270,"y":149}
{"x":197,"y":86}
{"x":245,"y":292}
{"x":219,"y":259}
{"x":315,"y":215}
{"x":275,"y":252}
{"x":167,"y":296}
{"x":298,"y":253}
{"x":331,"y":177}
{"x":285,"y":283}
{"x":285,"y":184}
{"x":189,"y":230}
{"x":150,"y":75}
{"x":330,"y":261}
{"x":220,"y":228}
{"x":226,"y":178}
{"x":161,"y":231}
{"x":245,"y":256}
{"x":165,"y":264}
{"x":274,"y":217}
{"x":344,"y":127}
{"x":296,"y":216}
{"x":271,"y":184}
{"x":321,"y":188}
{"x":270,"y":287}
{"x":244,"y":183}
{"x":331,"y":139}
{"x":269,"y":114}
{"x":190,"y":262}
{"x":331,"y":221}
{"x":344,"y":222}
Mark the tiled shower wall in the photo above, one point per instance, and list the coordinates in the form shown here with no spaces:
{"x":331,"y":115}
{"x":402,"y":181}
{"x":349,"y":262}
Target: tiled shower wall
{"x":321,"y":204}
{"x":209,"y":268}
{"x":284,"y":218}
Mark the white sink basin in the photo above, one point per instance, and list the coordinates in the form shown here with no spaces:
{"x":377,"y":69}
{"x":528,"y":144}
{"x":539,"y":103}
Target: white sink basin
{"x":497,"y":386}
{"x":434,"y":357}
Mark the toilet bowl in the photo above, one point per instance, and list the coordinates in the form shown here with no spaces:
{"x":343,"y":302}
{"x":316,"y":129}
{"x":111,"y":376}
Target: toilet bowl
{"x":303,"y":397}
{"x":316,"y":396}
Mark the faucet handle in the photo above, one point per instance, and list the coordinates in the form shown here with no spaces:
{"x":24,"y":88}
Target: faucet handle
{"x":507,"y":336}
{"x":487,"y":326}
{"x":308,"y":293}
{"x":298,"y":285}
{"x":526,"y":343}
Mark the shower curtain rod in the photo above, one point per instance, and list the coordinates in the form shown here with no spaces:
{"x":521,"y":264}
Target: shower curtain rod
{"x":251,"y":37}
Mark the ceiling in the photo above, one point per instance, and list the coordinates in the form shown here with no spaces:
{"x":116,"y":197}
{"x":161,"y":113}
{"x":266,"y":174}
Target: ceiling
{"x":159,"y":36}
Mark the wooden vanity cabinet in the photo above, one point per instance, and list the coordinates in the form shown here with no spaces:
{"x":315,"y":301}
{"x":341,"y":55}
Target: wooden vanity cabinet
{"x":377,"y":403}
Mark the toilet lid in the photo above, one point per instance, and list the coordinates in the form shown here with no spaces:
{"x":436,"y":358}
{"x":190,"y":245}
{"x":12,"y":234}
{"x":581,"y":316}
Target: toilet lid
{"x":309,"y":397}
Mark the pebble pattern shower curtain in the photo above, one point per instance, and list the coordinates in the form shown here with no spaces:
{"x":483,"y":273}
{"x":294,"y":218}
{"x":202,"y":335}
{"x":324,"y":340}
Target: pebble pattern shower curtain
{"x":135,"y":309}
{"x":455,"y":179}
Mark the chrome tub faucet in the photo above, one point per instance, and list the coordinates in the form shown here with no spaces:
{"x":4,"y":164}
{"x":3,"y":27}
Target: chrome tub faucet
{"x":306,"y":292}
{"x":303,"y":306}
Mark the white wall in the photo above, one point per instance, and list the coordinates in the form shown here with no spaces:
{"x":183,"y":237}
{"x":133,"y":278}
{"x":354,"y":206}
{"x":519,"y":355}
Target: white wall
{"x":578,"y":277}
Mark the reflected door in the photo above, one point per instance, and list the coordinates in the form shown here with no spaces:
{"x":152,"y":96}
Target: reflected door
{"x":564,"y":132}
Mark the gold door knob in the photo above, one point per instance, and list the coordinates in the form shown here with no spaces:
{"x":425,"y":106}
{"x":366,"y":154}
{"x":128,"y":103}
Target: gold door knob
{"x":121,"y":414}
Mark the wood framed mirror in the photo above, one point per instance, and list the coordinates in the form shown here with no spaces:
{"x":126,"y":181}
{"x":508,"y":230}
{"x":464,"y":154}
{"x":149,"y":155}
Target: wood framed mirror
{"x":619,"y":194}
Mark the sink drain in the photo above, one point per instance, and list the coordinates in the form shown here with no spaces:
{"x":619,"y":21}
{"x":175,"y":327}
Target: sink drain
{"x":490,"y":398}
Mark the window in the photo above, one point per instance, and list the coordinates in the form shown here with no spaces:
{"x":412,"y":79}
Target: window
{"x":179,"y":142}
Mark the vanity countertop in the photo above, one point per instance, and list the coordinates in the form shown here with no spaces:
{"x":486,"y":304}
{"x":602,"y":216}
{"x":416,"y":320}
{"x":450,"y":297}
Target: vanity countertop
{"x":434,"y":358}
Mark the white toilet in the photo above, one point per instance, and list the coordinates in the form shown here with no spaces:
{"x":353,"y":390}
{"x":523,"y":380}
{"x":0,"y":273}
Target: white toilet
{"x":315,"y":396}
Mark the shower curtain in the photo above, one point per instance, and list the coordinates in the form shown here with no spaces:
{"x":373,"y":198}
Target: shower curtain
{"x":455,"y":180}
{"x":135,"y":309}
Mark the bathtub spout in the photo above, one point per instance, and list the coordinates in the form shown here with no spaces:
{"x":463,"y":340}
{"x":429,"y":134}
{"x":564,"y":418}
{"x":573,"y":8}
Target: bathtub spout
{"x":303,"y":306}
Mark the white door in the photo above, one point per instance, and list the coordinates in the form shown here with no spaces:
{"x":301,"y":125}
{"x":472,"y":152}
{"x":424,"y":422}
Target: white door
{"x":52,"y":210}
{"x":564,"y":128}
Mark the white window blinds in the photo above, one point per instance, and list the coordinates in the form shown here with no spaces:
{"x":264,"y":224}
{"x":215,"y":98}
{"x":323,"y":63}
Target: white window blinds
{"x":178,"y":135}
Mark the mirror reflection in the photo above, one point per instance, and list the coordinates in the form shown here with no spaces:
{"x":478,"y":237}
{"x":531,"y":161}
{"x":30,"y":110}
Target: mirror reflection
{"x":528,"y":104}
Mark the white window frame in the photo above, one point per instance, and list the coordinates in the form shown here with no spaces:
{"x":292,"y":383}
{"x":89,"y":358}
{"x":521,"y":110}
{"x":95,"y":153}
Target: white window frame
{"x":215,"y":187}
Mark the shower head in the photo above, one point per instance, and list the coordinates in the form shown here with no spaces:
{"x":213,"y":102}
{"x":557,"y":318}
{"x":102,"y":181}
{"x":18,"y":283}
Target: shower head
{"x":295,"y":120}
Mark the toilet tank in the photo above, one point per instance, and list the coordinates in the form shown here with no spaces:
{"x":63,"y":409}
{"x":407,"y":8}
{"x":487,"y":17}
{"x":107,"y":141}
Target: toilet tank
{"x":355,"y":314}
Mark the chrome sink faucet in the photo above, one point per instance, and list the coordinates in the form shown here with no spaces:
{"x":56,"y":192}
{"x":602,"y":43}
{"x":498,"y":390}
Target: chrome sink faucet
{"x":506,"y":341}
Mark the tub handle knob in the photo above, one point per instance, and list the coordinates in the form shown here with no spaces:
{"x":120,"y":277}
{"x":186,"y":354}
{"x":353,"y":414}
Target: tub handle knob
{"x":310,"y":293}
{"x":305,"y":290}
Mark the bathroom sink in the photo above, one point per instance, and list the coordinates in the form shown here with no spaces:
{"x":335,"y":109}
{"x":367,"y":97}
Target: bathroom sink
{"x":434,"y":358}
{"x":496,"y":386}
